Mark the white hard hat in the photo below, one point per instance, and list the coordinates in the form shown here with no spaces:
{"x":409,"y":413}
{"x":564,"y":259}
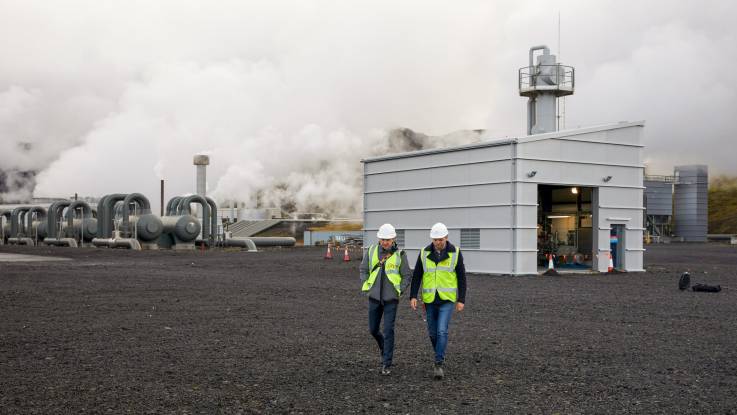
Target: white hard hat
{"x":438,"y":230}
{"x":386,"y":231}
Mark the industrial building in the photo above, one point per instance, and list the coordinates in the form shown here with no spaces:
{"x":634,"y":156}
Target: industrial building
{"x":677,"y":206}
{"x":575,"y":194}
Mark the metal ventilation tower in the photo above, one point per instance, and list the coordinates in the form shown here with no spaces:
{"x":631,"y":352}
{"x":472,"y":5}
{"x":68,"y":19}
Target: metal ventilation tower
{"x":543,"y":83}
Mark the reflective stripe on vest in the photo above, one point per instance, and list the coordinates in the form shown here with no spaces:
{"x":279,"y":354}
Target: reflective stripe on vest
{"x":391,"y":268}
{"x":439,"y":278}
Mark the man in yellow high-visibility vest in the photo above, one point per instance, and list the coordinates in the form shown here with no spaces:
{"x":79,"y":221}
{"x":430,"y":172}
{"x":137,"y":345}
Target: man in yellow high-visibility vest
{"x":385,"y":275}
{"x":442,"y":275}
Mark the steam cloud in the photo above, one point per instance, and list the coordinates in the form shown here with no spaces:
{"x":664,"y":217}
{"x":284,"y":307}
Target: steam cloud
{"x":287,"y":97}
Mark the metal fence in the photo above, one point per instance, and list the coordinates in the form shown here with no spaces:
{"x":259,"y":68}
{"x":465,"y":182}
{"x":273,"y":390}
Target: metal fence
{"x":560,"y":78}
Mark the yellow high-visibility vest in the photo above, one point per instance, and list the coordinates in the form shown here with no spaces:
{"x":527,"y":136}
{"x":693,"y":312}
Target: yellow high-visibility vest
{"x":440,"y":278}
{"x":391,"y":267}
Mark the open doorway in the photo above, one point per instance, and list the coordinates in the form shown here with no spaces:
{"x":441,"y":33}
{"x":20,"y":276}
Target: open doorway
{"x":616,"y":246}
{"x":564,"y":226}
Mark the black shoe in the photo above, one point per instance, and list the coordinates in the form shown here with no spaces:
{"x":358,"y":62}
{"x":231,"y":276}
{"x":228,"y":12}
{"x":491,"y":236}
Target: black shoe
{"x":438,"y":371}
{"x":386,"y":370}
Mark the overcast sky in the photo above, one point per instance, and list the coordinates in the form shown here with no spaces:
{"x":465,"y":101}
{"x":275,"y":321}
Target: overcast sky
{"x":114,"y":95}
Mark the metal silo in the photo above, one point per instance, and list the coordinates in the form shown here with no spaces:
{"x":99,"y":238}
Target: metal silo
{"x":690,"y":202}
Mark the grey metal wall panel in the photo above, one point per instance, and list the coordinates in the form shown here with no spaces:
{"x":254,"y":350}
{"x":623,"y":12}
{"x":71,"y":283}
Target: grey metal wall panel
{"x":658,"y":197}
{"x":621,"y":198}
{"x":581,"y":152}
{"x":526,"y":239}
{"x":417,"y":238}
{"x":492,"y":194}
{"x":488,"y":262}
{"x":629,"y":213}
{"x":438,"y":177}
{"x":433,"y":160}
{"x":690,"y":202}
{"x":552,"y":172}
{"x":527,"y":193}
{"x":496,"y":239}
{"x":400,"y":238}
{"x":628,"y":135}
{"x":527,"y":218}
{"x":633,"y":216}
{"x":469,"y":217}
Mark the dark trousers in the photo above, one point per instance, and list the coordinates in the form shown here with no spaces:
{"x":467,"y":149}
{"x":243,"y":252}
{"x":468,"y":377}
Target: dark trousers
{"x":386,"y":341}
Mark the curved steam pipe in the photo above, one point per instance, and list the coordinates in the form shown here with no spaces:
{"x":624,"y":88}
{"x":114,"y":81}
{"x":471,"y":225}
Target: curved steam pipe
{"x":86,"y":212}
{"x":101,"y":214}
{"x":22,"y":222}
{"x":544,"y":48}
{"x":241,"y":243}
{"x":7,"y":215}
{"x":105,"y":213}
{"x":213,"y":218}
{"x":213,"y":213}
{"x":171,"y":207}
{"x":117,"y":209}
{"x":183,"y":208}
{"x":51,"y":217}
{"x":14,"y":217}
{"x":179,"y":209}
{"x":41,"y":215}
{"x":142,"y":202}
{"x":273,"y":240}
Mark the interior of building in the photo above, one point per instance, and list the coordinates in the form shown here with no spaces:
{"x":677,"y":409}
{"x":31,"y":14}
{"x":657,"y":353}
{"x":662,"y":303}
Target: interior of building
{"x":564,"y":226}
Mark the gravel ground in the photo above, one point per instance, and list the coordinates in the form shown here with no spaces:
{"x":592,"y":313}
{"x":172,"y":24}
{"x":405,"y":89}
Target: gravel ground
{"x":284,"y":331}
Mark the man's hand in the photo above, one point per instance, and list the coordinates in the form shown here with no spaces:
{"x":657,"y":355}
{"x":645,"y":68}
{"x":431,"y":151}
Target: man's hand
{"x":413,"y":304}
{"x":459,"y":307}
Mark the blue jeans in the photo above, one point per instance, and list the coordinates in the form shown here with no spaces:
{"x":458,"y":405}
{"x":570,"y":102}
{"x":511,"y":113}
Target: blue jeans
{"x":386,"y":341}
{"x":438,"y":318}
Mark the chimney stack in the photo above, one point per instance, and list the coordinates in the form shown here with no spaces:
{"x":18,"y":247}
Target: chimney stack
{"x":201,"y":161}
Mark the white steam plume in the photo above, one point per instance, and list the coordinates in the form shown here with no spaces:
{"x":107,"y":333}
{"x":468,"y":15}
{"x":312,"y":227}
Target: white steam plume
{"x":287,"y":97}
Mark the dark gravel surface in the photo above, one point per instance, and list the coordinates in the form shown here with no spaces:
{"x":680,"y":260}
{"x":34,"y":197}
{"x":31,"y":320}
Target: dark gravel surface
{"x":284,"y":331}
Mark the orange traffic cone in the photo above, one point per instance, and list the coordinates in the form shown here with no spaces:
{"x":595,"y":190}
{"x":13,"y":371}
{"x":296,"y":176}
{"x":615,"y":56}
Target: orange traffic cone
{"x":611,"y":263}
{"x":346,"y":258}
{"x":551,"y":267}
{"x":328,"y":254}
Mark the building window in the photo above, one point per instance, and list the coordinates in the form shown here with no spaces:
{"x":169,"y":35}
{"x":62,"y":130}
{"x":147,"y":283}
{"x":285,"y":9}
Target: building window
{"x":400,"y":238}
{"x":470,"y":238}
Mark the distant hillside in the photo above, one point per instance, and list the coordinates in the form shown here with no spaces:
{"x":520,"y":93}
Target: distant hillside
{"x":723,"y":205}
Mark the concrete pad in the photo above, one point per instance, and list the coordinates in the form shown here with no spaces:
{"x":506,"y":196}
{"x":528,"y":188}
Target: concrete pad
{"x":29,"y":258}
{"x":568,"y":271}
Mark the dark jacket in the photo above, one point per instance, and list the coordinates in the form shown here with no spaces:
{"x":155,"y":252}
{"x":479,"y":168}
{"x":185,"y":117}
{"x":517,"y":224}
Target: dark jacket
{"x":383,"y":290}
{"x":460,"y":271}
